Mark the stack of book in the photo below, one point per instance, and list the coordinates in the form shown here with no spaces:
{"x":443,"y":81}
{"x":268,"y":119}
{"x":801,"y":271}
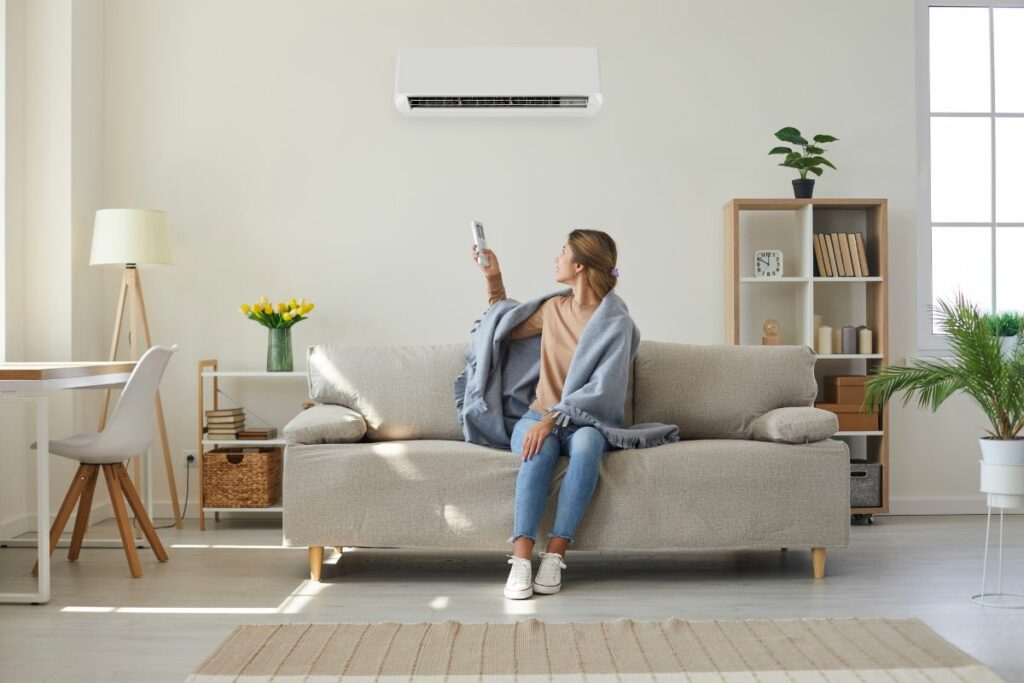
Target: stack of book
{"x":840,"y":254}
{"x":224,"y":424}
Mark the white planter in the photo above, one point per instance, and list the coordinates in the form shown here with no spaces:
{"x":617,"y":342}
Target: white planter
{"x":1002,"y":472}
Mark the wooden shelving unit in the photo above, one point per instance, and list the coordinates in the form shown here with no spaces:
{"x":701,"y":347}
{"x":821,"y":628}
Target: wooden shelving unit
{"x":208,"y":372}
{"x":794,"y":299}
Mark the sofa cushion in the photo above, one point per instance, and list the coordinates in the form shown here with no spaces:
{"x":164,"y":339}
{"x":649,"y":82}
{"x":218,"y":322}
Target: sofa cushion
{"x":795,"y":425}
{"x":699,"y":494}
{"x":403,"y":392}
{"x":325,"y":423}
{"x":718,"y":391}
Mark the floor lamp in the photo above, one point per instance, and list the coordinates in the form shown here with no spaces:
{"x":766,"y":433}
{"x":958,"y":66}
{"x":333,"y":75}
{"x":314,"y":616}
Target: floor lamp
{"x":130,"y":238}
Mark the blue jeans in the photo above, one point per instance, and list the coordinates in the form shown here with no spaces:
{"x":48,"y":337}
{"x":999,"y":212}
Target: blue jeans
{"x":585,"y":447}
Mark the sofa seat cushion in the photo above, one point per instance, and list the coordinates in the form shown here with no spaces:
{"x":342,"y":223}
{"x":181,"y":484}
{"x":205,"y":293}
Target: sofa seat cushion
{"x":699,"y":494}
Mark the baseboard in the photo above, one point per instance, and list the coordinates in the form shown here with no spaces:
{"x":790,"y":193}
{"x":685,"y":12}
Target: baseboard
{"x":961,"y":505}
{"x":24,"y":524}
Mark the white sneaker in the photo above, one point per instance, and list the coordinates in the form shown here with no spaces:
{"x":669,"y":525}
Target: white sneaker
{"x":518,"y":586}
{"x":549,"y":574}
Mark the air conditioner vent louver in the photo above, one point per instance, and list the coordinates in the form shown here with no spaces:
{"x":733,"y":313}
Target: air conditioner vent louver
{"x":498,"y":81}
{"x":534,"y":102}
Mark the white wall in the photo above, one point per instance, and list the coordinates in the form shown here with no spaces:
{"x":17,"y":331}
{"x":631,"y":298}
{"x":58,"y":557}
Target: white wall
{"x":267,"y":131}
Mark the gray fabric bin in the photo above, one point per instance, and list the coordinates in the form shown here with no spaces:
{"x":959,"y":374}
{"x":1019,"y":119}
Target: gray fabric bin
{"x":865,"y":484}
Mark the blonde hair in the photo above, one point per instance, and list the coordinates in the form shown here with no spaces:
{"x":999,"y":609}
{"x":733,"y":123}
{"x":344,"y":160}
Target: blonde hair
{"x":596,"y":251}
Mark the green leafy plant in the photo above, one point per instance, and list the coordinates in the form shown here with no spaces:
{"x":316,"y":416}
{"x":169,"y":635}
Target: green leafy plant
{"x":1007,"y":324}
{"x":978,"y":368}
{"x":811,"y":159}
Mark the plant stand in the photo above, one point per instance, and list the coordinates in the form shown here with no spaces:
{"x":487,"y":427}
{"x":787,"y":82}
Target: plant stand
{"x":998,"y":598}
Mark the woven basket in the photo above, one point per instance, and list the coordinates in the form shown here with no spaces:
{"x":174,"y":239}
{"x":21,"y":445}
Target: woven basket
{"x":236,"y":479}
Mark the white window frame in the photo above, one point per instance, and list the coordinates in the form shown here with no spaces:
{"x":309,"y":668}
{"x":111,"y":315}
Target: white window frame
{"x":928,"y":342}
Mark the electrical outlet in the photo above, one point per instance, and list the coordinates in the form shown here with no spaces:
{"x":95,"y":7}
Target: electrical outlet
{"x":189,"y":458}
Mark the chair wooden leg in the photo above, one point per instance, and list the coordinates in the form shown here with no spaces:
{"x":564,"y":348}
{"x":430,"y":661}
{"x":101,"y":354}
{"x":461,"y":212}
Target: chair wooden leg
{"x":140,"y":512}
{"x":72,"y":496}
{"x":818,"y":561}
{"x":123,"y":525}
{"x":316,"y":561}
{"x":84,"y":510}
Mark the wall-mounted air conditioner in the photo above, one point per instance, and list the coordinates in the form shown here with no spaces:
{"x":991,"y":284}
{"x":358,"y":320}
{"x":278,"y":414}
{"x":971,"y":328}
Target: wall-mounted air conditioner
{"x":498,"y":81}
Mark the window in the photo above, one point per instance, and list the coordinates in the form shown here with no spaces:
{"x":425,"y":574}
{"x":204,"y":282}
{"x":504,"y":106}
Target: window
{"x":971,"y":138}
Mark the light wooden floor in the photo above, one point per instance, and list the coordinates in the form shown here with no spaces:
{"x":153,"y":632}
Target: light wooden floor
{"x":104,"y":626}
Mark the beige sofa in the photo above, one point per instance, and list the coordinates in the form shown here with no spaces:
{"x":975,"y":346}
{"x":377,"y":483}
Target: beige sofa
{"x":403,"y":476}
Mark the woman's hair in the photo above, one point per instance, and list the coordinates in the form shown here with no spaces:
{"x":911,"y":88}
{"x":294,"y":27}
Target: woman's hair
{"x":595,"y":250}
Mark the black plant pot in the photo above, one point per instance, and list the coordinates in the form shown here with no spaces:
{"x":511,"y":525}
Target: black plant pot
{"x":803,"y":188}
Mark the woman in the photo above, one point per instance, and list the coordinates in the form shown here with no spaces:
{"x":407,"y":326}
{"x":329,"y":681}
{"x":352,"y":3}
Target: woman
{"x":587,"y":263}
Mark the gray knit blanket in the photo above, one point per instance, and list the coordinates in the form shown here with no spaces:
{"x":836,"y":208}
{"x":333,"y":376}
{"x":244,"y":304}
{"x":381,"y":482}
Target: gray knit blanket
{"x":497,"y":385}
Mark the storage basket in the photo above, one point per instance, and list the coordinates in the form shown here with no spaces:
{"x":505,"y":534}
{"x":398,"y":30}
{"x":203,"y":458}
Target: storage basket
{"x":242,"y":477}
{"x":865,"y":484}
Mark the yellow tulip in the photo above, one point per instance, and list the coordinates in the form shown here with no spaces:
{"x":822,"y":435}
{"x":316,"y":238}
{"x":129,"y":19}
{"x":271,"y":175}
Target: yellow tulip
{"x":306,"y":309}
{"x":293,"y":303}
{"x":264,"y":300}
{"x":268,"y":309}
{"x":282,"y":307}
{"x":287,"y":316}
{"x":244,"y":308}
{"x":295,"y":312}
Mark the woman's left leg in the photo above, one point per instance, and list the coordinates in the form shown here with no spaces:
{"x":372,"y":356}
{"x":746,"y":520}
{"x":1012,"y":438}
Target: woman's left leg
{"x":586,"y":447}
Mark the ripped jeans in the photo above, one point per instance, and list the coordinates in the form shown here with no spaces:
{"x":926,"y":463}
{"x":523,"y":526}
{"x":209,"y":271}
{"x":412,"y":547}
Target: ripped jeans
{"x":585,"y":447}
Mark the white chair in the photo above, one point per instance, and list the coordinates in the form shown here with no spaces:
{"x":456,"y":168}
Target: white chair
{"x":129,"y":432}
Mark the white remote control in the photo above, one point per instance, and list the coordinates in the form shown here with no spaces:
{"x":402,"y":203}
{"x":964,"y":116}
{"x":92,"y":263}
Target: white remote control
{"x":481,"y":243}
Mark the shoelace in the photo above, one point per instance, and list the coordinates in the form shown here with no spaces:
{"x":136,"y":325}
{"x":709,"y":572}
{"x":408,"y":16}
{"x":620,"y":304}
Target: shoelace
{"x":521,"y":569}
{"x":556,"y":556}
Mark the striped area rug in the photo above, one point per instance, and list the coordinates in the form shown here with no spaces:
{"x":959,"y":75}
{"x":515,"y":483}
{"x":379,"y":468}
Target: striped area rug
{"x":621,"y":651}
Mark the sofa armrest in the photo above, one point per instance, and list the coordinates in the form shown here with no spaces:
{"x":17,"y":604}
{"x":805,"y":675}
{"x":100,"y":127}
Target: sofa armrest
{"x":325,"y":423}
{"x":795,"y":425}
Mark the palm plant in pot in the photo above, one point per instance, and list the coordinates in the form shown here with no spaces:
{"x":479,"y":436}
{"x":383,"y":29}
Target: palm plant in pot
{"x":1008,"y":326}
{"x":980,"y":369}
{"x":810,"y":161}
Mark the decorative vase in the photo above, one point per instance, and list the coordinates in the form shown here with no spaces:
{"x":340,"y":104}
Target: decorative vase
{"x":1002,"y":472}
{"x":279,"y":349}
{"x":803,"y":188}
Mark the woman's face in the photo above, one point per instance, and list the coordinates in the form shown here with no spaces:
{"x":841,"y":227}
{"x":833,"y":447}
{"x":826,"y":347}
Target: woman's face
{"x":565,"y":267}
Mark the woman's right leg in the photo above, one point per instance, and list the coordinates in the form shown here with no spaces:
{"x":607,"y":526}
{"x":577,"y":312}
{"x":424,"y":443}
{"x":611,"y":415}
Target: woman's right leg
{"x":532,"y":485}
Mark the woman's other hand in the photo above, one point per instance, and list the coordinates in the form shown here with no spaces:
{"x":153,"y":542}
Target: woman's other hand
{"x":493,"y":268}
{"x":534,"y":439}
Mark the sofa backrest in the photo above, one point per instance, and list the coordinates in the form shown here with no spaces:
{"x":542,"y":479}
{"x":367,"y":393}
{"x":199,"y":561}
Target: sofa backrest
{"x":403,"y":392}
{"x":716,"y":392}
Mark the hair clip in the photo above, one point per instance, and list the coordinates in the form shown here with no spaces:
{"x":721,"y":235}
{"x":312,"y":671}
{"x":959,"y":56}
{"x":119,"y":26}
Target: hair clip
{"x":614,"y":272}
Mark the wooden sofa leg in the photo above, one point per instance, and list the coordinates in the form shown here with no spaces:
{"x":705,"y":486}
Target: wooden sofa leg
{"x":316,"y":562}
{"x":818,"y":560}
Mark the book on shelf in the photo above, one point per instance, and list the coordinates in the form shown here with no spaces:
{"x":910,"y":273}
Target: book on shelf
{"x":844,"y":246}
{"x":837,"y":253}
{"x":231,"y":421}
{"x":862,"y":253}
{"x":225,"y":412}
{"x":222,"y":434}
{"x":817,"y":256}
{"x":257,"y":434}
{"x":854,"y":256}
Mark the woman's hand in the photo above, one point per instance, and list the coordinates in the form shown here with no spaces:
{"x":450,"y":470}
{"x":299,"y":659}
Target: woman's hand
{"x":490,"y":270}
{"x":534,"y":438}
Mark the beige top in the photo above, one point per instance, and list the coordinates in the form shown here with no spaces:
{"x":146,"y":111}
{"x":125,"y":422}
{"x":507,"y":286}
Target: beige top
{"x":559,"y":321}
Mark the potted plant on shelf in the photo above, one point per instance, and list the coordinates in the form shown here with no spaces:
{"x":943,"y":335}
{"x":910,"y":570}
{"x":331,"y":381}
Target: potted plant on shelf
{"x":980,"y":369}
{"x":279,"y":322}
{"x":1008,"y":326}
{"x":810,"y":161}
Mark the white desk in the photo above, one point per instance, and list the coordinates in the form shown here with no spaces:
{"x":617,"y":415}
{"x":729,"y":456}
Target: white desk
{"x":29,"y":383}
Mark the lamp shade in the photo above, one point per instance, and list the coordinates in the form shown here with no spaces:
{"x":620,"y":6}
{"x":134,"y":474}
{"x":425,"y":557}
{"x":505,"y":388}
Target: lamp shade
{"x":136,"y":236}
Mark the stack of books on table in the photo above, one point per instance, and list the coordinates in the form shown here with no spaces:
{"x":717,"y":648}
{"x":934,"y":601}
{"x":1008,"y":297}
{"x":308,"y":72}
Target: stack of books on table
{"x":224,"y":424}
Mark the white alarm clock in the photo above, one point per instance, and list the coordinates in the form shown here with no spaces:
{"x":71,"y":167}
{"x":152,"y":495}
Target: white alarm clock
{"x":768,"y":263}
